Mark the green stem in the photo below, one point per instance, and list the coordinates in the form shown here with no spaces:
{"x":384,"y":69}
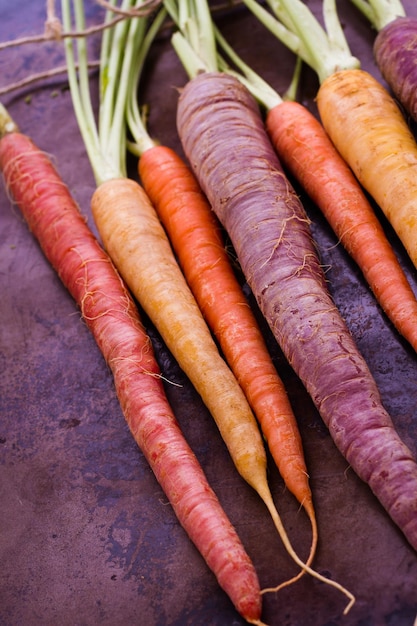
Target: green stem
{"x":194,"y":42}
{"x":380,"y":12}
{"x":259,"y":88}
{"x":135,"y":121}
{"x":325,"y":51}
{"x":81,"y":100}
{"x":194,"y":62}
{"x":280,"y":26}
{"x":105,"y":140}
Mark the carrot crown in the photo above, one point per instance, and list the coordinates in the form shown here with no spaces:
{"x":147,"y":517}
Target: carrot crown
{"x":135,"y":118}
{"x":197,"y":43}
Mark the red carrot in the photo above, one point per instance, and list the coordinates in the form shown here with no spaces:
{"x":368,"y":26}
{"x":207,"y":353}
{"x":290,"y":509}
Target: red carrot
{"x":224,"y":138}
{"x":110,"y":313}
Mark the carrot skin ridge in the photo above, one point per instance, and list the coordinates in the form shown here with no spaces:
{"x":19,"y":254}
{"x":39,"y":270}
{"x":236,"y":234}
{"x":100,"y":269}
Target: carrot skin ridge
{"x":377,"y":144}
{"x":305,"y":149}
{"x":196,"y":236}
{"x":395,"y":51}
{"x":110,"y":313}
{"x":284,"y":273}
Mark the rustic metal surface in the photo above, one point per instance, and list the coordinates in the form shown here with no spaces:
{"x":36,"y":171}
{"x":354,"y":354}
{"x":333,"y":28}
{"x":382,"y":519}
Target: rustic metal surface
{"x":86,"y":535}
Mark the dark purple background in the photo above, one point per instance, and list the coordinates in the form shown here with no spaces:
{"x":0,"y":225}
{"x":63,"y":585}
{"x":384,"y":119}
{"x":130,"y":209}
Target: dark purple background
{"x":86,"y":534}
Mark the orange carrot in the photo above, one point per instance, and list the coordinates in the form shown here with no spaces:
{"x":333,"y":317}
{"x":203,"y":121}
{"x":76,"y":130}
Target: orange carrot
{"x":110,"y":313}
{"x":197,"y":239}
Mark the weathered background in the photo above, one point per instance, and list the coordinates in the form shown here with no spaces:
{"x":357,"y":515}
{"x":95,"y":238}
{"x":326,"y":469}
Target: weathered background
{"x":86,"y":535}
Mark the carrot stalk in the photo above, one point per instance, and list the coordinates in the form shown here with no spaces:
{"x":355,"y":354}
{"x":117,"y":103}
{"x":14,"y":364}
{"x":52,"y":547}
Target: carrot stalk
{"x":287,"y":280}
{"x":197,"y":239}
{"x":306,"y":151}
{"x":111,"y":315}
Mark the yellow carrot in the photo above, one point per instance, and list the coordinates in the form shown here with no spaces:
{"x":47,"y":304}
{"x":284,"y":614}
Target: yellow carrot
{"x":370,"y":132}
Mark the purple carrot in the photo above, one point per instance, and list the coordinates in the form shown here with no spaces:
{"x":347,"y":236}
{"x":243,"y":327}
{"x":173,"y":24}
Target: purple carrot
{"x":225,"y":141}
{"x":395,"y":50}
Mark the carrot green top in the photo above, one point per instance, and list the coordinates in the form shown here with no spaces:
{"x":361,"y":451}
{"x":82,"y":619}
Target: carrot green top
{"x":380,"y":12}
{"x":105,"y":138}
{"x":198,"y":43}
{"x":324,"y":49}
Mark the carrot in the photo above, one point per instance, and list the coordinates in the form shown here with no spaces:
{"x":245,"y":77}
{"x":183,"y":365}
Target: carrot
{"x":197,"y":239}
{"x":112,"y":317}
{"x":306,"y":151}
{"x":224,"y":138}
{"x":362,"y":119}
{"x":138,"y":245}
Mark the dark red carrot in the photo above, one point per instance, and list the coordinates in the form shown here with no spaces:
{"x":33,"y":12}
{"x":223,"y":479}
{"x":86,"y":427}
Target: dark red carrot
{"x":110,"y":313}
{"x":224,"y":138}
